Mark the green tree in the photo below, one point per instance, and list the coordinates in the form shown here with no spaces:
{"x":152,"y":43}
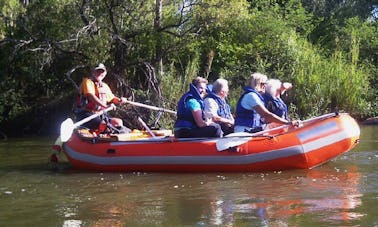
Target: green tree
{"x":154,"y":48}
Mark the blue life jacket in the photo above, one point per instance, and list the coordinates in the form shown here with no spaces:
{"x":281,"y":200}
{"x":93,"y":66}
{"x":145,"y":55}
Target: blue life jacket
{"x":246,"y":117}
{"x":184,"y":115}
{"x":276,"y":106}
{"x":224,"y":109}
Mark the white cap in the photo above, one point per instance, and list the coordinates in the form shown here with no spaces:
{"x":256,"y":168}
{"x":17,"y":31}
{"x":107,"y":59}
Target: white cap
{"x":100,"y":67}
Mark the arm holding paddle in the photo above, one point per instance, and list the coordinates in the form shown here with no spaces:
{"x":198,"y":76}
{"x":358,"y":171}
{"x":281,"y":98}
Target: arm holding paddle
{"x":96,"y":95}
{"x":271,"y":117}
{"x":251,"y":113}
{"x":119,"y":101}
{"x":67,"y":126}
{"x":103,"y":104}
{"x":95,"y":98}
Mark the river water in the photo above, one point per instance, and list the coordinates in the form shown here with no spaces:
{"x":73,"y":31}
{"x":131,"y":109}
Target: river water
{"x":343,"y":192}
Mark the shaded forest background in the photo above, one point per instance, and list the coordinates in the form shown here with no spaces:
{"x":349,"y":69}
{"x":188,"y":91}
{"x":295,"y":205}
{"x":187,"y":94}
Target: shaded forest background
{"x":153,"y":49}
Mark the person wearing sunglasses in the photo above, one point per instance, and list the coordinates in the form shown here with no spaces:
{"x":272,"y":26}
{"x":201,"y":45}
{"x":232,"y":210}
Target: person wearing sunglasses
{"x":251,"y":112}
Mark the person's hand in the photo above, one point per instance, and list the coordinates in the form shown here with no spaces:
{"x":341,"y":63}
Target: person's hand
{"x":287,"y":85}
{"x":123,"y":100}
{"x":284,"y":87}
{"x":208,"y":122}
{"x":118,"y":101}
{"x":296,"y":123}
{"x":231,"y":122}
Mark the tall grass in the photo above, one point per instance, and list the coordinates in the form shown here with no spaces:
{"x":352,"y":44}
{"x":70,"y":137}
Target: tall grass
{"x":175,"y":83}
{"x":322,"y":84}
{"x":326,"y":84}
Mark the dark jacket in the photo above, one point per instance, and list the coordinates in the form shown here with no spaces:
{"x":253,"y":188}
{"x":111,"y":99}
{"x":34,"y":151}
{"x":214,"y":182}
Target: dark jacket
{"x":276,"y":106}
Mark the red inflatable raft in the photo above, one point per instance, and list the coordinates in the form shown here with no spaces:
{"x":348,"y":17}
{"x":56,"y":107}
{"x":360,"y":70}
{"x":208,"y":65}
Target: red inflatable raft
{"x":315,"y":142}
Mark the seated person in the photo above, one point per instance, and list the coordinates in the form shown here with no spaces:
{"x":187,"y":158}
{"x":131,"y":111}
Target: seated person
{"x":190,"y":117}
{"x":95,"y":95}
{"x":251,"y":113}
{"x":217,"y":108}
{"x":272,"y":97}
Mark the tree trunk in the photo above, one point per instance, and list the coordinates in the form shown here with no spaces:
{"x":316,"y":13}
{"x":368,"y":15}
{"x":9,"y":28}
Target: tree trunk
{"x":208,"y":62}
{"x":159,"y":49}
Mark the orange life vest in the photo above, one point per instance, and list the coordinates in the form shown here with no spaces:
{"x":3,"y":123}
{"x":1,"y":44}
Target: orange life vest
{"x":83,"y":103}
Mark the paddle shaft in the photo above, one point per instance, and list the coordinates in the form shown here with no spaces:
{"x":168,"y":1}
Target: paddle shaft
{"x":282,"y":126}
{"x":150,"y":107}
{"x":305,"y":121}
{"x":85,"y":120}
{"x":320,"y":117}
{"x":235,"y":139}
{"x":67,"y":126}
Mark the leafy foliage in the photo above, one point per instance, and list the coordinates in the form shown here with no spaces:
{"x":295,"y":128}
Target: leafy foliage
{"x":327,"y":49}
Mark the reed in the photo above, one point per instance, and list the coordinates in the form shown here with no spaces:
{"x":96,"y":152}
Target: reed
{"x":175,"y":83}
{"x":326,"y":84}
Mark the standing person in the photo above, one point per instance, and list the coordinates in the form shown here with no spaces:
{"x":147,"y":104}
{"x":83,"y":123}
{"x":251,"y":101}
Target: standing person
{"x":95,"y":95}
{"x":217,"y":108}
{"x":251,"y":113}
{"x":272,"y":96}
{"x":190,"y":116}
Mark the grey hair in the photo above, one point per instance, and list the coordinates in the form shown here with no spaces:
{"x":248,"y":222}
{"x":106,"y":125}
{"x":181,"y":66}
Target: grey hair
{"x":272,"y":86}
{"x":219,"y":84}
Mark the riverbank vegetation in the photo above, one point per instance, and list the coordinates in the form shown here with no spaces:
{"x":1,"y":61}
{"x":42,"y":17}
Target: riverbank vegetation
{"x":152,"y":49}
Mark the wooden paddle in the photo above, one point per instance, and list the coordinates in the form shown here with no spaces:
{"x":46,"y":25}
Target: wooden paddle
{"x":239,"y":138}
{"x":150,"y":107}
{"x":67,"y":126}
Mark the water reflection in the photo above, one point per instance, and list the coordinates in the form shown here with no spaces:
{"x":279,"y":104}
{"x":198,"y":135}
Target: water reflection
{"x":325,"y":195}
{"x":339,"y":193}
{"x":325,"y":191}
